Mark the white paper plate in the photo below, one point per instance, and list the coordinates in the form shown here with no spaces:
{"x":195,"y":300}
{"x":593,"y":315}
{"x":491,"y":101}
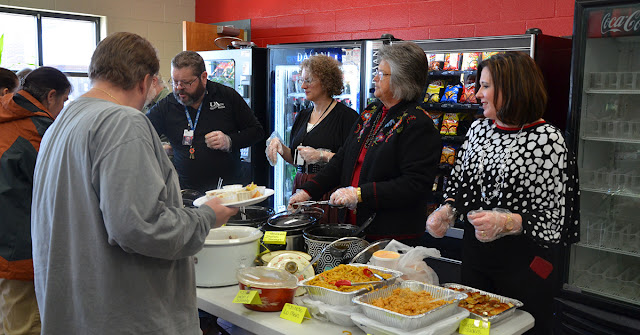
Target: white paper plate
{"x":267,"y":193}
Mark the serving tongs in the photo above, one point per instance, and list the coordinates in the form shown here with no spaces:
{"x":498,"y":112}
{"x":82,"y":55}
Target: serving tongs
{"x":313,"y":202}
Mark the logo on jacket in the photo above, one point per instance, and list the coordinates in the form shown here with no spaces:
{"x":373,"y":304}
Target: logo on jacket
{"x":216,"y":105}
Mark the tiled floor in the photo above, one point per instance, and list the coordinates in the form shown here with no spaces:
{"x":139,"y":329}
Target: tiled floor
{"x":232,"y":329}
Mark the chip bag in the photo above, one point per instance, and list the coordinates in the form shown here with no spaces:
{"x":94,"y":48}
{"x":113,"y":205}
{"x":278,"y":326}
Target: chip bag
{"x":470,"y":61}
{"x":450,"y":124}
{"x":488,"y":54}
{"x":436,"y":62}
{"x":468,"y":95}
{"x":452,"y":61}
{"x":451,"y":93}
{"x":433,"y":92}
{"x":436,"y":117}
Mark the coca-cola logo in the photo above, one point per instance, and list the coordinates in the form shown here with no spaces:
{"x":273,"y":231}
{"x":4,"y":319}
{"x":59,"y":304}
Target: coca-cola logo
{"x":620,"y":23}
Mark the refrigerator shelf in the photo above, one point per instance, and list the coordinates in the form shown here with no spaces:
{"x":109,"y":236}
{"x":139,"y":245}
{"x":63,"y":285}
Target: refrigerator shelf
{"x":610,"y":192}
{"x":609,"y":139}
{"x":617,"y":92}
{"x":612,"y":250}
{"x":611,"y":295}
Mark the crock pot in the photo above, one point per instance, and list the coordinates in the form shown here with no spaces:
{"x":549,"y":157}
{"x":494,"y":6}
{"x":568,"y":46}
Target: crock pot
{"x":225,"y":250}
{"x":319,"y":236}
{"x":251,"y":216}
{"x":293,"y":223}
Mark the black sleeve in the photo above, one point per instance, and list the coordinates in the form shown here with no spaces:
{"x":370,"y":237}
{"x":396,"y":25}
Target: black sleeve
{"x":156,"y":116}
{"x":250,"y":130}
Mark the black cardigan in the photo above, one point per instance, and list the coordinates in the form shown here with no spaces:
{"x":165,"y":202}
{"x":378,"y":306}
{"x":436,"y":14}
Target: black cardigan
{"x":397,"y":172}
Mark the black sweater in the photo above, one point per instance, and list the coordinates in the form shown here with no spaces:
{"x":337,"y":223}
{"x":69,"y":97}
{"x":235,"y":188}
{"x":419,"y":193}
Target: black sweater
{"x":397,"y":172}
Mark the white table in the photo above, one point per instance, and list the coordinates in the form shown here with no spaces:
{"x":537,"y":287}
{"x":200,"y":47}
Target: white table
{"x":218,"y":302}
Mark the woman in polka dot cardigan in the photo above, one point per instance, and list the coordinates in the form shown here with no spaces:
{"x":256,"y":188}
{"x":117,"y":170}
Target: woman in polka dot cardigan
{"x":514,"y":185}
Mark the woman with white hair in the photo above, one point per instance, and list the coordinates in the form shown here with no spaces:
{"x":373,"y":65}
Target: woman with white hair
{"x":388,"y":163}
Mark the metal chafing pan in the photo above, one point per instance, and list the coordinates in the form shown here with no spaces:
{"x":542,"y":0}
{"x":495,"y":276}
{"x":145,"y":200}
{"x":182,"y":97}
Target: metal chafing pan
{"x":333,"y":297}
{"x":493,"y":319}
{"x":410,"y":322}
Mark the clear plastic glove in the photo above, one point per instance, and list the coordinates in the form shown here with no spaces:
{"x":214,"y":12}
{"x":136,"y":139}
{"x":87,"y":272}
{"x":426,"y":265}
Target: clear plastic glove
{"x":311,"y":155}
{"x":300,"y":196}
{"x":218,"y":140}
{"x":441,"y":220}
{"x":494,"y":224}
{"x":274,"y":148}
{"x":346,"y":196}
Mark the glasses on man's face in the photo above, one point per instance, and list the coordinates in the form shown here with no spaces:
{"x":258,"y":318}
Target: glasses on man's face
{"x":307,"y":81}
{"x":183,"y":83}
{"x":381,"y":75}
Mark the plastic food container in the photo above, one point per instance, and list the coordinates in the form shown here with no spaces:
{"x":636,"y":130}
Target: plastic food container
{"x":333,"y":297}
{"x":386,"y":259}
{"x":225,"y":250}
{"x":276,"y":287}
{"x":410,"y":322}
{"x":493,"y":319}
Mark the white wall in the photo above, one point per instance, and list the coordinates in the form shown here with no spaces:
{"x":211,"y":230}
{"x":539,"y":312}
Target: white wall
{"x":159,"y":21}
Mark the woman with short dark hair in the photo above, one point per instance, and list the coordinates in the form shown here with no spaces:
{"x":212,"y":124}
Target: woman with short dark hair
{"x":514,"y":184}
{"x":388,"y":163}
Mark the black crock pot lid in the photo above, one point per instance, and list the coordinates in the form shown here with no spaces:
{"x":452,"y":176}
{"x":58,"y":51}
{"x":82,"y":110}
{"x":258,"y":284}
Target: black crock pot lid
{"x":290,"y":221}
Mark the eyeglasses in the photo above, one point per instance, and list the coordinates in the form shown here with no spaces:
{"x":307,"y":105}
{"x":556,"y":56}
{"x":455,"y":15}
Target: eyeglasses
{"x":307,"y":81}
{"x":381,"y":75}
{"x":183,"y":83}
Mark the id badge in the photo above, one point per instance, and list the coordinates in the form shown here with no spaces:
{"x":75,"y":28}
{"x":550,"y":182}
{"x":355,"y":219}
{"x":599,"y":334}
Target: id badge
{"x":187,"y":137}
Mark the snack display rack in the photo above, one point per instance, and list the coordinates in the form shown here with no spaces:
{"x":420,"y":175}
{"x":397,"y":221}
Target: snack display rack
{"x":603,"y":272}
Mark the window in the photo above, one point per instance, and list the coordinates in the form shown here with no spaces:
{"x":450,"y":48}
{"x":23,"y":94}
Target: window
{"x":30,"y":38}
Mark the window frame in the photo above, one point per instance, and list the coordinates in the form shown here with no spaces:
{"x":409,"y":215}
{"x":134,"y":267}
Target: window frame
{"x":39,"y":14}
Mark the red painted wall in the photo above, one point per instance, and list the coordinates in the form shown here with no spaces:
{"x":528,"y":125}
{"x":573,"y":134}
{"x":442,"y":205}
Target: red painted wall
{"x":288,"y":21}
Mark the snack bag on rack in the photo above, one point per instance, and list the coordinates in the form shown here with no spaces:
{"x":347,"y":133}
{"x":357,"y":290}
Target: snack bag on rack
{"x":452,"y":61}
{"x":448,"y":155}
{"x":468,"y":95}
{"x":450,"y":124}
{"x":436,"y":117}
{"x":488,"y":54}
{"x":412,"y":263}
{"x":470,"y":61}
{"x":451,"y":93}
{"x":436,"y":62}
{"x":433,"y":91}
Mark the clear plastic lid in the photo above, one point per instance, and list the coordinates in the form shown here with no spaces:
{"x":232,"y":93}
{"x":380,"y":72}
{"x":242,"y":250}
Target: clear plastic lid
{"x":265,"y":277}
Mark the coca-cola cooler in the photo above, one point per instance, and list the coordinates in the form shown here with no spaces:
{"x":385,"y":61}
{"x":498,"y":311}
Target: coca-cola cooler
{"x":601,"y":281}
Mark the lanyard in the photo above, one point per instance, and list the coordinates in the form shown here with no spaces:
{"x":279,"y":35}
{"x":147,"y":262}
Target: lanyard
{"x":191,"y":124}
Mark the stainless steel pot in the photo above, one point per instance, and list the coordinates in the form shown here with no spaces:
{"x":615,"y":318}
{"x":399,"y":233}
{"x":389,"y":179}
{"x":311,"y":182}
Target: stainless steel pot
{"x":319,"y":236}
{"x":251,"y":216}
{"x":293,"y":223}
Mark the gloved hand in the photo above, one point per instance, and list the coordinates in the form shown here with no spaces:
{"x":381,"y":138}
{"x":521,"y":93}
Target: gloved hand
{"x":300,"y":196}
{"x":494,"y":224}
{"x":274,"y":147}
{"x":311,"y":155}
{"x":441,"y":220}
{"x":346,"y":196}
{"x":218,"y":140}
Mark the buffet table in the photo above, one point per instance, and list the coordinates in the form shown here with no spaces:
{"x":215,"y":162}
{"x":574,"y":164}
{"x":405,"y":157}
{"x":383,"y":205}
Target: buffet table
{"x":218,"y":302}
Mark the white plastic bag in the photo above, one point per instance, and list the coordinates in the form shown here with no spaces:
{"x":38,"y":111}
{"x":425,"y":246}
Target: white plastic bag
{"x":412,"y":263}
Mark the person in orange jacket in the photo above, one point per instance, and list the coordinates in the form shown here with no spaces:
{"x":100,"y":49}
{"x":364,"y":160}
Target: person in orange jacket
{"x":24,"y":117}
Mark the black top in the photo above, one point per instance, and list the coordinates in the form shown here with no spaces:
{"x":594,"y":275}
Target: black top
{"x":223,"y":109}
{"x":397,"y":172}
{"x":538,"y":181}
{"x":330,"y":133}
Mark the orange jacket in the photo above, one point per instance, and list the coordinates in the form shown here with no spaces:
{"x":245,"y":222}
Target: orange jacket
{"x":23,"y":121}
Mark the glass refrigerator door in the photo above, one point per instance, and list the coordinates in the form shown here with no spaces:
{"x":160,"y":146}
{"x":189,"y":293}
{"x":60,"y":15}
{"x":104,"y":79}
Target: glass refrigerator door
{"x":606,"y":262}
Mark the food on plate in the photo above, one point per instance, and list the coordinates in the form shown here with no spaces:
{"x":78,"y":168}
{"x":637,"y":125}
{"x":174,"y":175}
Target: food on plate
{"x":482,"y":304}
{"x":408,"y":302}
{"x":233,"y":193}
{"x":341,"y":277}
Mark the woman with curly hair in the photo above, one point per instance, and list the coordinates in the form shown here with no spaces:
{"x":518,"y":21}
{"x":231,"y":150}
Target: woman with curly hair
{"x":318,"y":132}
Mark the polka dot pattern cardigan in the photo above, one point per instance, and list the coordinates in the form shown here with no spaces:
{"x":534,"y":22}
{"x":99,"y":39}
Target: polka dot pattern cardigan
{"x":528,"y":171}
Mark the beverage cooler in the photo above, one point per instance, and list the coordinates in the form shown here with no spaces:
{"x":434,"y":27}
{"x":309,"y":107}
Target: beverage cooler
{"x":287,"y":98}
{"x":601,"y":282}
{"x":245,"y":71}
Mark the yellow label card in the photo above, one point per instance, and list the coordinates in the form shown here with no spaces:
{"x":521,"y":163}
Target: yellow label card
{"x":474,"y":327}
{"x":294,"y":313}
{"x":249,"y":297}
{"x":275,"y":237}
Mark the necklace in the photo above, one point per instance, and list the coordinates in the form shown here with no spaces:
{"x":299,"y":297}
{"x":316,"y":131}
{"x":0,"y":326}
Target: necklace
{"x":109,"y":94}
{"x":321,"y":115}
{"x":497,"y":192}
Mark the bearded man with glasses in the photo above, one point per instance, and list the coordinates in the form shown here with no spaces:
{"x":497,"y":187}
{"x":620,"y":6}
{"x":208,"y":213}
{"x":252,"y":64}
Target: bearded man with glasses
{"x":206,"y":123}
